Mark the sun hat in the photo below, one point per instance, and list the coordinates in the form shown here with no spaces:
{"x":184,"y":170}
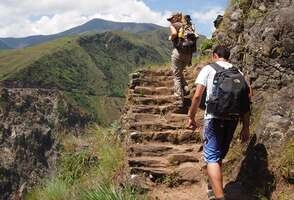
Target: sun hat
{"x":177,"y":15}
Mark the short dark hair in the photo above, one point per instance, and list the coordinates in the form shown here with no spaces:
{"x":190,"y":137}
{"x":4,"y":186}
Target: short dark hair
{"x":222,"y":52}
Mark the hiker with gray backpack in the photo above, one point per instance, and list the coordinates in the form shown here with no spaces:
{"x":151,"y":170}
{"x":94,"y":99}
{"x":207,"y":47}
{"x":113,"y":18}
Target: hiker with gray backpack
{"x":226,"y":102}
{"x":184,"y":39}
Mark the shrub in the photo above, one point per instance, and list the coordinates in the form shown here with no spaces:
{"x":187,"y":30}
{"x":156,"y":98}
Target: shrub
{"x":287,"y":160}
{"x":241,"y":3}
{"x":255,"y":14}
{"x":75,"y":165}
{"x":107,"y":192}
{"x":55,"y":189}
{"x":207,"y":44}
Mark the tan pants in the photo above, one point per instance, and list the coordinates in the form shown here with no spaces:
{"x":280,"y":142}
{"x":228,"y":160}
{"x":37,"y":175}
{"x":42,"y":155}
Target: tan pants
{"x":178,"y":63}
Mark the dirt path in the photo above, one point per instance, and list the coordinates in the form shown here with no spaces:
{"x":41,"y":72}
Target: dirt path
{"x":163,"y":155}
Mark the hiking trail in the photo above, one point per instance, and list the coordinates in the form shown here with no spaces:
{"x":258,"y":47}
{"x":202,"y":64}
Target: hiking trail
{"x":164,"y":157}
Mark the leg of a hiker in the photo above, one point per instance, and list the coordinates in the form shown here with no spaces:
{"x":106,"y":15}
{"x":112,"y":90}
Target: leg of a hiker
{"x":214,"y":171}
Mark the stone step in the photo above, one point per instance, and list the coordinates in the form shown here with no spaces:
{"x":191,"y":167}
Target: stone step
{"x":156,"y":82}
{"x":167,"y":118}
{"x":160,"y":109}
{"x":154,"y":99}
{"x":172,"y":136}
{"x":159,"y":72}
{"x":179,"y":158}
{"x":145,"y":161}
{"x":168,"y":160}
{"x":152,"y":172}
{"x":156,"y":126}
{"x":154,"y":109}
{"x":189,"y":172}
{"x":161,"y":149}
{"x":151,"y":82}
{"x":151,"y":90}
{"x":184,"y":173}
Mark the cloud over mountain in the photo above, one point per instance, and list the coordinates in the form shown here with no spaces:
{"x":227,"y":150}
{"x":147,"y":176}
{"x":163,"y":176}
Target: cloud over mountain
{"x":28,"y":17}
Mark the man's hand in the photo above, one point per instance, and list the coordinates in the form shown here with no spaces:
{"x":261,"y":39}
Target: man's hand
{"x":244,"y":135}
{"x":192,"y":124}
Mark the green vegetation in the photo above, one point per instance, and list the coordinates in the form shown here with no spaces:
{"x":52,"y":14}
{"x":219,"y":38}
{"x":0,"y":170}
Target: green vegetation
{"x":109,"y":193}
{"x":172,"y":180}
{"x":207,"y":44}
{"x":242,"y":3}
{"x":55,"y":189}
{"x":255,"y":14}
{"x":74,"y":165}
{"x":87,"y":169}
{"x":287,"y":159}
{"x":12,"y":61}
{"x":91,"y":70}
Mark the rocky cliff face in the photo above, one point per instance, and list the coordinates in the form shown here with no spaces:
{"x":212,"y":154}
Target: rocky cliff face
{"x":261,"y":36}
{"x":30,"y":120}
{"x":260,"y":33}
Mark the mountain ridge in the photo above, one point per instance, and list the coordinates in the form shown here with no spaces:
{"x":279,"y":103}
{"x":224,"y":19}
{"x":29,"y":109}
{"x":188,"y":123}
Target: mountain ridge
{"x":94,"y":25}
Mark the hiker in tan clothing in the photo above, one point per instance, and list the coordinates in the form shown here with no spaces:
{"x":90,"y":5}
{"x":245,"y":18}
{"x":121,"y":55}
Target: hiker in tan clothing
{"x":182,"y":51}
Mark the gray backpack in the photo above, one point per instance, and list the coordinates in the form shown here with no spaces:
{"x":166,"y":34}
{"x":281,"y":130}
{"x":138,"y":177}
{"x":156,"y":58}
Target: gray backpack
{"x":230,"y":93}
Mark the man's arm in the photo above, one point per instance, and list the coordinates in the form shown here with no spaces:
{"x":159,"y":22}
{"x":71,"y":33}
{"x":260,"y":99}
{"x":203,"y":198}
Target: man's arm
{"x":173,"y":33}
{"x":194,"y":106}
{"x":245,"y":133}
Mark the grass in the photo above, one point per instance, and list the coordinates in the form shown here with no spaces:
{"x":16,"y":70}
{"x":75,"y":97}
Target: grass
{"x":104,"y":192}
{"x":242,"y":3}
{"x":255,"y":14}
{"x":172,"y":180}
{"x":87,"y":169}
{"x":12,"y":61}
{"x":286,"y":161}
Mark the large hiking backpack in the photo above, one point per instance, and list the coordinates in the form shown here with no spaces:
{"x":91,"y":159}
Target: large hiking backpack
{"x":187,"y":39}
{"x":230,"y":93}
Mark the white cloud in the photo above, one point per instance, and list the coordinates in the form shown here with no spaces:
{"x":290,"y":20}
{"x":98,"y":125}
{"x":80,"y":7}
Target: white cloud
{"x":208,"y":15}
{"x":19,"y":17}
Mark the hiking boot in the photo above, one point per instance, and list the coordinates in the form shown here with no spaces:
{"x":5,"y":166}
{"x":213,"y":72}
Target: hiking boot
{"x":210,"y":193}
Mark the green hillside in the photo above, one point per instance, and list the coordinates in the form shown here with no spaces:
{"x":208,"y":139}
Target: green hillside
{"x":92,"y":70}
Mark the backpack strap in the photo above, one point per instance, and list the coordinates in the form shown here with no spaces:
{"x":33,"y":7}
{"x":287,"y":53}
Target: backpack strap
{"x":217,"y":67}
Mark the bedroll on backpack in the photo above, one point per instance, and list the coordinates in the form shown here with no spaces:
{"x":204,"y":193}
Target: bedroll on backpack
{"x":230,"y":93}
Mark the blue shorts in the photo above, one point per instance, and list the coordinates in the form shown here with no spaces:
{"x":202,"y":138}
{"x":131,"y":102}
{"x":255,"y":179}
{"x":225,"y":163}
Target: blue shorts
{"x":218,"y":134}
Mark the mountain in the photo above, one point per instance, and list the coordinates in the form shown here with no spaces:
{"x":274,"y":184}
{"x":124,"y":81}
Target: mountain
{"x":3,"y":45}
{"x":94,"y":25}
{"x":91,"y":70}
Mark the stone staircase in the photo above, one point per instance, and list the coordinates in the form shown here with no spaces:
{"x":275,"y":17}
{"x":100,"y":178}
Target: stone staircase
{"x":162,"y":154}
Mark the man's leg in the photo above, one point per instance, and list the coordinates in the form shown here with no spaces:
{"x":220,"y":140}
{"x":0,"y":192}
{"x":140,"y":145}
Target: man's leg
{"x":214,"y":171}
{"x":213,"y":136}
{"x":177,"y":69}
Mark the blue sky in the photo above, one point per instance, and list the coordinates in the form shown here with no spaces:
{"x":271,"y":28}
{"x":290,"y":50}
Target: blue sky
{"x":20,"y":18}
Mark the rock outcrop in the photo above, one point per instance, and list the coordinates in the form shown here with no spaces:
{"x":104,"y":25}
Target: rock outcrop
{"x":30,"y":121}
{"x":260,"y":34}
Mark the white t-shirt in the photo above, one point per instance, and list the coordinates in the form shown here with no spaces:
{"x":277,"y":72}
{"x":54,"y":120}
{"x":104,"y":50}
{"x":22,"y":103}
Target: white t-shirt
{"x":205,"y":78}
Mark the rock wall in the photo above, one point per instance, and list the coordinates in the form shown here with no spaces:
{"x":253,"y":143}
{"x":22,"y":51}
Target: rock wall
{"x":260,"y":34}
